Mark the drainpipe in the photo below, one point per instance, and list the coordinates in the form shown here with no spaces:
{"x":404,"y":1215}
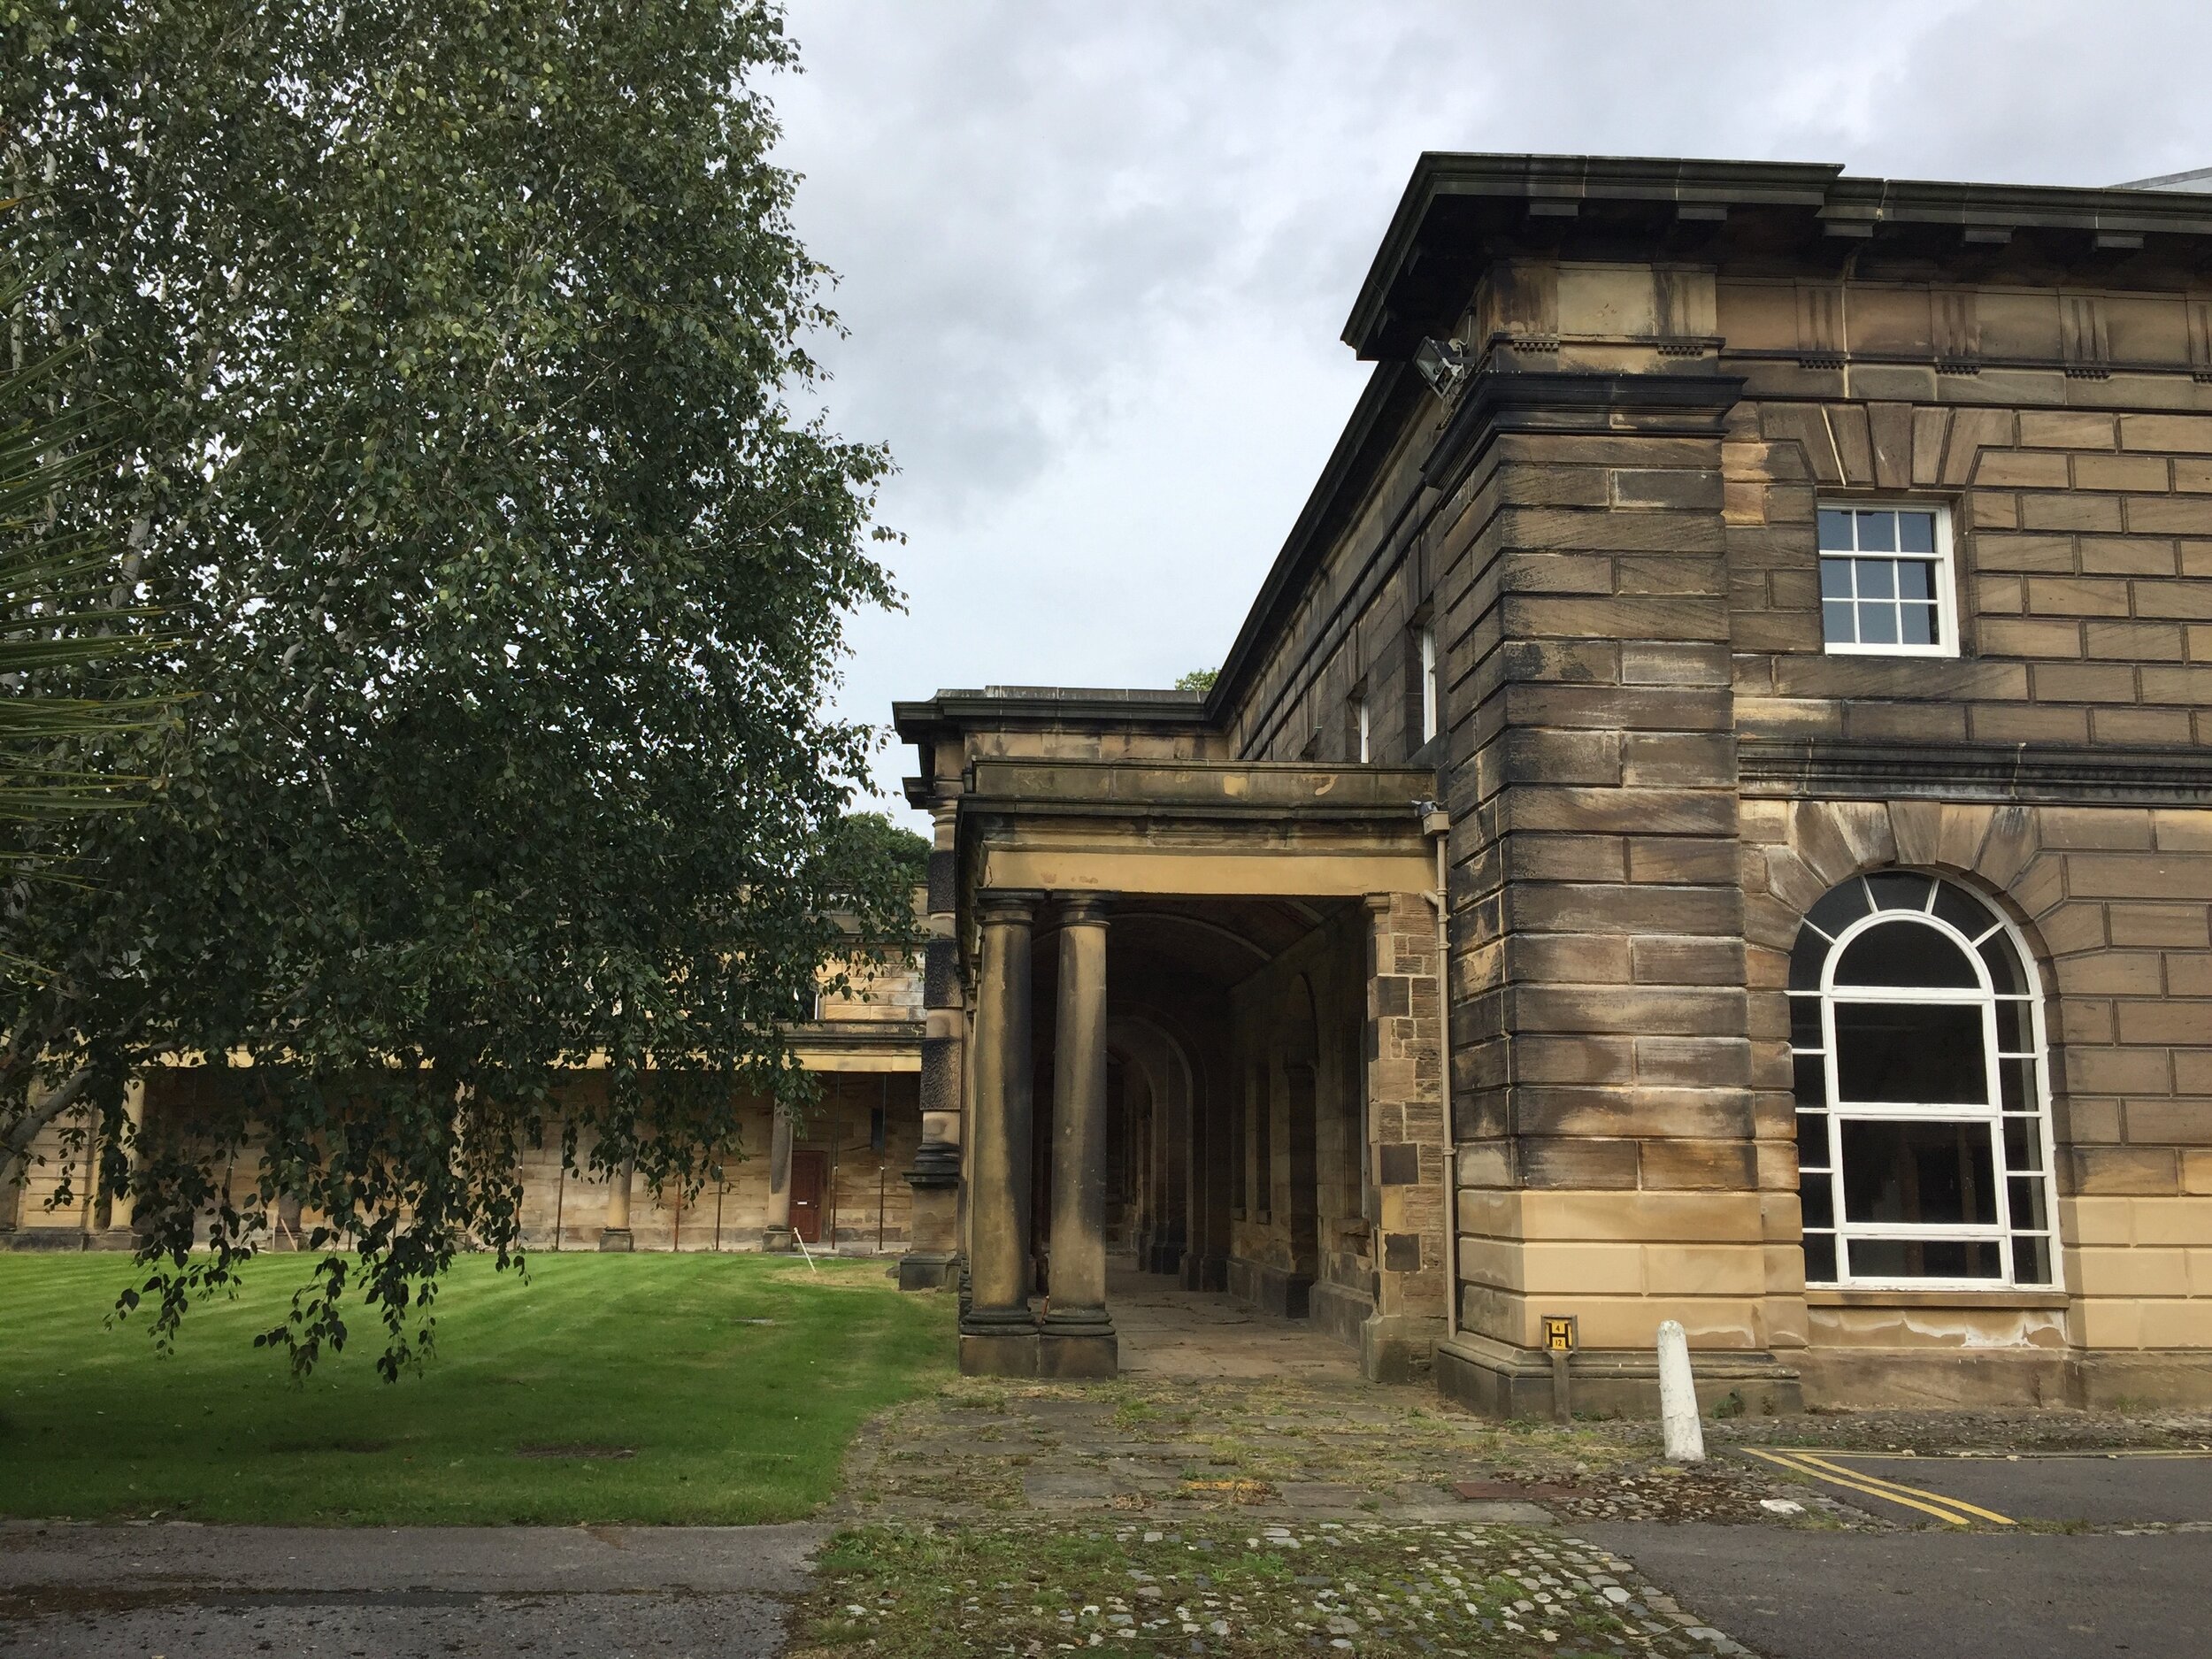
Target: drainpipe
{"x":1436,"y":824}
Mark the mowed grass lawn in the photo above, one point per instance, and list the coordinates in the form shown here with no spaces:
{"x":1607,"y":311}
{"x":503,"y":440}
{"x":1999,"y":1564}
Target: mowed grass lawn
{"x":732,"y":1384}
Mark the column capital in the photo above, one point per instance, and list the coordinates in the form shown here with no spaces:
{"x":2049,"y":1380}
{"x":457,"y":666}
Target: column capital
{"x":1007,"y":904}
{"x":1084,"y":909}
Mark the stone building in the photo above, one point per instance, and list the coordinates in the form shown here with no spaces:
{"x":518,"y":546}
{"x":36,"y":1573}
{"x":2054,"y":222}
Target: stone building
{"x":1706,"y":818}
{"x":831,"y":1181}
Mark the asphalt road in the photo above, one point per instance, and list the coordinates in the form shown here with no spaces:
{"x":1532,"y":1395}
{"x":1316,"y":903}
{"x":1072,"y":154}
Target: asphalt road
{"x":2101,"y":1489}
{"x":182,"y":1592}
{"x":1937,"y":1595}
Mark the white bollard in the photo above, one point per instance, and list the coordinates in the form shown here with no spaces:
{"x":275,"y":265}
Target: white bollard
{"x":1677,"y":1397}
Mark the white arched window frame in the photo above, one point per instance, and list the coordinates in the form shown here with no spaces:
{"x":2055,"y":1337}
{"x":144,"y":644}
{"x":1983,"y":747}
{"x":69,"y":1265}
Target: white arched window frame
{"x":1861,"y":1229}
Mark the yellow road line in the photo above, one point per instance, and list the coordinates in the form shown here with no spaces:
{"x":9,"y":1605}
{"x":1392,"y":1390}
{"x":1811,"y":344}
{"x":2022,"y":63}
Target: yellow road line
{"x":1943,"y":1498}
{"x":2018,"y":1458}
{"x":1944,"y":1515}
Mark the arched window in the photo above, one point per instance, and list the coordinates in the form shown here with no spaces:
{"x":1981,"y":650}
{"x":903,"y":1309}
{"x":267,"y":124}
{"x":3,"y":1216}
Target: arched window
{"x":1923,"y":1137}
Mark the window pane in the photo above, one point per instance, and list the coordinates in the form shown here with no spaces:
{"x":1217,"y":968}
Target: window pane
{"x":2023,"y":1146}
{"x":1811,"y":1081}
{"x":1818,"y":1198}
{"x":1917,"y":625}
{"x":2004,"y":966}
{"x":1820,"y":1258}
{"x":2027,"y":1210}
{"x":1804,"y":1021}
{"x":1877,"y":623}
{"x":1925,"y":1174}
{"x":1835,"y":529}
{"x":1840,"y":907}
{"x":2032,"y":1261}
{"x":2015,"y":1081}
{"x":1835,"y":578}
{"x":1916,"y":532}
{"x":1837,"y":625}
{"x":1806,"y":957}
{"x":1812,"y":1140}
{"x":1878,"y":579}
{"x":1928,"y":1053}
{"x":1915,"y":579}
{"x":1878,"y":531}
{"x":2012,"y":1027}
{"x":1926,"y":1258}
{"x":1906,"y":953}
{"x":1899,"y":890}
{"x":1959,"y":908}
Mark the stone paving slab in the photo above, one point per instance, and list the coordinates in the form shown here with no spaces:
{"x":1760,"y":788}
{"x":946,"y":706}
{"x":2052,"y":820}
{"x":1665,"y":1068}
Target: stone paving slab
{"x":412,"y":1626}
{"x":192,"y":1591}
{"x":477,"y":1560}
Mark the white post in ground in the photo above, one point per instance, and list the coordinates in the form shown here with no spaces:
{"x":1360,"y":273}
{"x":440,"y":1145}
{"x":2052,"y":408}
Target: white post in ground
{"x":1677,"y":1397}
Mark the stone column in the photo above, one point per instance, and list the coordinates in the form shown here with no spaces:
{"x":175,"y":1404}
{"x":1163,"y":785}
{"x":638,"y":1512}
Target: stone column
{"x":1078,"y":1336}
{"x":998,"y":1336}
{"x":934,"y":1244}
{"x":615,"y":1235}
{"x":776,"y":1235}
{"x":121,"y":1233}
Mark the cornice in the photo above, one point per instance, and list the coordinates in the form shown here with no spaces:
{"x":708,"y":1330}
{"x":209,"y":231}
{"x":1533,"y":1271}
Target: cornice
{"x":2040,"y":774}
{"x":1462,"y":211}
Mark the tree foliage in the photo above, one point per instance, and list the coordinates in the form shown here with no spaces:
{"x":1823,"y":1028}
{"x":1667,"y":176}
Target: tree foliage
{"x":1198,"y":680}
{"x":452,"y":347}
{"x":67,"y":599}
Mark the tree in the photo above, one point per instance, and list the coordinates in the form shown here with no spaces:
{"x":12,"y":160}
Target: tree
{"x":452,"y":346}
{"x":65,"y":601}
{"x":1198,"y":680}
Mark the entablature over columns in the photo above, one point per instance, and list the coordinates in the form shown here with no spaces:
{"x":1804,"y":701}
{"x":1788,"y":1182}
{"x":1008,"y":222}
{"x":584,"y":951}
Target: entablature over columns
{"x":1196,"y":829}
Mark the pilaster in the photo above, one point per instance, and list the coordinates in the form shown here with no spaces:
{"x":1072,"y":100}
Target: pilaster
{"x":932,"y":1254}
{"x":615,"y":1234}
{"x":1408,"y":1148}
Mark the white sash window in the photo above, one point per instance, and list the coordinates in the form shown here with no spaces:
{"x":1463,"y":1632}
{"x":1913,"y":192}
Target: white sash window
{"x":1924,"y":1135}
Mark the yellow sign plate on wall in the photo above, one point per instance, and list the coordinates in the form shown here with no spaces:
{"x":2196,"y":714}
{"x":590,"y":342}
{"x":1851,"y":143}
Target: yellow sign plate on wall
{"x":1559,"y":1333}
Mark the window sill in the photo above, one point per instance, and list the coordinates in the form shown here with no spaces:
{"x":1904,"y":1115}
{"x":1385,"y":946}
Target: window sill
{"x":1920,"y":653}
{"x":1873,"y":1296}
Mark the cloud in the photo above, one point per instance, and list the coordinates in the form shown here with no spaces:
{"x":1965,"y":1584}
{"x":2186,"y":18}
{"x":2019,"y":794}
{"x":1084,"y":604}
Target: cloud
{"x":1095,"y":258}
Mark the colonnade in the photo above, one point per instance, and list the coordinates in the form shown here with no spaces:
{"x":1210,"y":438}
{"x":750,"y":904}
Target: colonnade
{"x":1000,"y":1334}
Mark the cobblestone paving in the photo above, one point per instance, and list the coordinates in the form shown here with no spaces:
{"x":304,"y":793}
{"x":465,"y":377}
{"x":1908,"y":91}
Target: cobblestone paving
{"x":2042,"y":1428}
{"x":1209,"y":1586}
{"x":1286,"y":1450}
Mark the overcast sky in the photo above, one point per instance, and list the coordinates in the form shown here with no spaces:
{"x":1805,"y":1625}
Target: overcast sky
{"x":1094,"y":257}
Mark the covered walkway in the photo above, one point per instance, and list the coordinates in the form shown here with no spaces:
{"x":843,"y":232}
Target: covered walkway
{"x":1170,"y":1334}
{"x":1183,"y":1011}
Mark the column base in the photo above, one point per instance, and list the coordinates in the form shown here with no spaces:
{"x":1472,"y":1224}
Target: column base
{"x":1399,"y":1347}
{"x":616,"y":1238}
{"x":999,"y":1352}
{"x":924,"y":1270}
{"x":777,"y":1240}
{"x":1079,"y":1354}
{"x":112,"y":1238}
{"x":1202,"y":1272}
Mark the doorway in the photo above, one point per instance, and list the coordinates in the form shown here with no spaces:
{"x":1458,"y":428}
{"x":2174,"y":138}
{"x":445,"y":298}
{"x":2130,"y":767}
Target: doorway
{"x":808,"y":1173}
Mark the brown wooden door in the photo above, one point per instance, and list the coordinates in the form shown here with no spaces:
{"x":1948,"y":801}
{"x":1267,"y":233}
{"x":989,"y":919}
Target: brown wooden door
{"x":808,"y":1170}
